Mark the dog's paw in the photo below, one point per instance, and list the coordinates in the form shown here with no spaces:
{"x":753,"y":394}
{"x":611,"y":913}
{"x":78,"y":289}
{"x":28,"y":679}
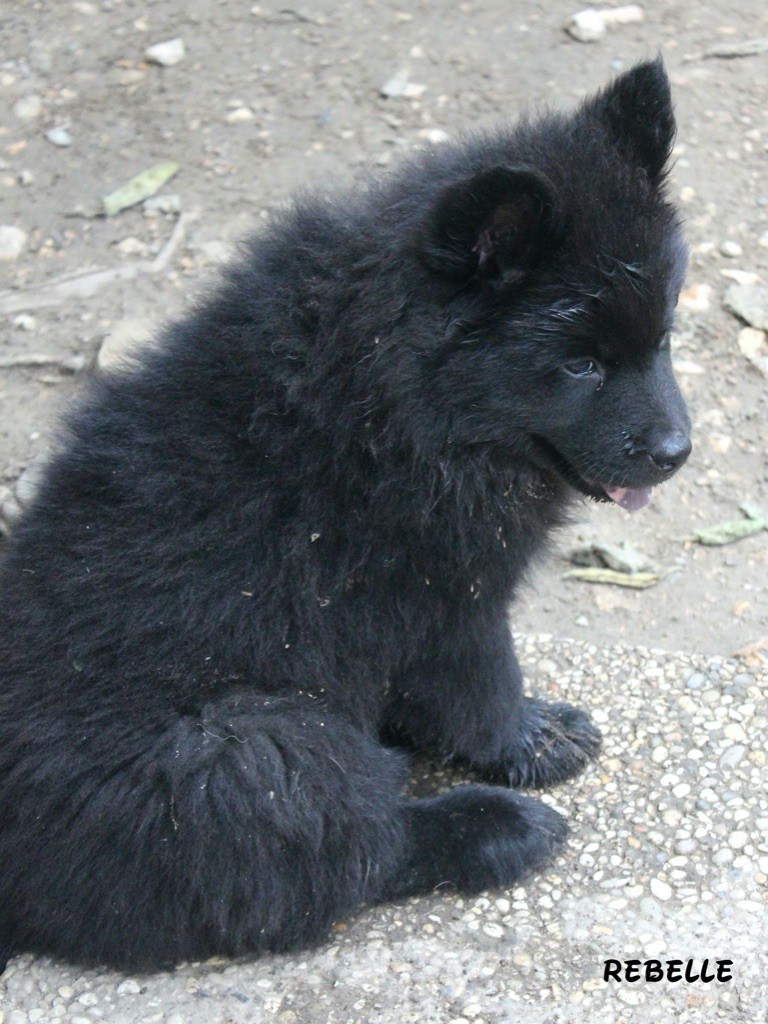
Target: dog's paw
{"x":553,"y":743}
{"x":474,"y":838}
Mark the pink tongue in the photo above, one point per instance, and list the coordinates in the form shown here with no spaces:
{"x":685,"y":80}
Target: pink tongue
{"x":630,"y":498}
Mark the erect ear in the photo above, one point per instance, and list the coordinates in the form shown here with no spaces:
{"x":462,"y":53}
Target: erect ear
{"x":637,"y":109}
{"x":493,"y":226}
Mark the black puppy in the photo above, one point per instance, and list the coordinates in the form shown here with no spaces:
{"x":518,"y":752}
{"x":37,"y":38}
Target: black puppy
{"x":296,"y":526}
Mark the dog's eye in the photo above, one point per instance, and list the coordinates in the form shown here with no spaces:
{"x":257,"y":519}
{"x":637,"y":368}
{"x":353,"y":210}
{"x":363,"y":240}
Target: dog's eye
{"x":582,"y":368}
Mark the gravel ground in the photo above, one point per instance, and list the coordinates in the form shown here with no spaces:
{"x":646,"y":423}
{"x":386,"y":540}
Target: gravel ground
{"x":668,"y":858}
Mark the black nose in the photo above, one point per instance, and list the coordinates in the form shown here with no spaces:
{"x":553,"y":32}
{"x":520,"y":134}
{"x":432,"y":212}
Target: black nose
{"x":668,"y":453}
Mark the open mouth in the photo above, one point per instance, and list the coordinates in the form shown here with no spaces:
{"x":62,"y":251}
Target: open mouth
{"x":632,"y":499}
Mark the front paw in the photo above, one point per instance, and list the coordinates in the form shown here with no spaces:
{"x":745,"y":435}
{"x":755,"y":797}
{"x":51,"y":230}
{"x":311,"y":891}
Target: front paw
{"x":553,"y":742}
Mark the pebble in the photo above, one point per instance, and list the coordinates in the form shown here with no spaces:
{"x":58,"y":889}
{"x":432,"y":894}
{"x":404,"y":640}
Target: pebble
{"x":495,"y":931}
{"x":660,"y":889}
{"x":586,"y":26}
{"x":763,"y":240}
{"x":167,"y":202}
{"x":697,"y":298}
{"x":437,"y":136}
{"x":740,"y":276}
{"x":129,"y":987}
{"x":590,"y":25}
{"x":123,"y":337}
{"x":25,"y":322}
{"x":749,"y":303}
{"x":238,"y":115}
{"x":751,"y":342}
{"x":738,"y":840}
{"x":12,"y":242}
{"x":731,"y":249}
{"x":59,"y":137}
{"x":733,"y":731}
{"x":132,"y":246}
{"x":167,"y":53}
{"x":733,"y":756}
{"x":400,"y":85}
{"x":28,"y":108}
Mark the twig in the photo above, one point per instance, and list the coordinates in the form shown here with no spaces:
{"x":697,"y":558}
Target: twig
{"x":83,"y":286}
{"x":730,"y":51}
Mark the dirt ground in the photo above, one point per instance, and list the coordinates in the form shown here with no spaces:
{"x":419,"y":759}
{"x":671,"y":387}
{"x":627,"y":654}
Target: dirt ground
{"x":269,"y":98}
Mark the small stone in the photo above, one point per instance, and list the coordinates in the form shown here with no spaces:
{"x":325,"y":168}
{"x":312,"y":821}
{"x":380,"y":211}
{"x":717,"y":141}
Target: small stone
{"x":659,"y":755}
{"x":763,"y":240}
{"x":238,"y":115}
{"x":168,"y":202}
{"x":582,"y":620}
{"x":586,"y":26}
{"x":589,"y":26}
{"x":751,"y":342}
{"x":731,"y":249}
{"x":738,"y":840}
{"x":437,"y":136}
{"x":400,"y":86}
{"x":733,"y":731}
{"x":660,"y":889}
{"x":740,"y":276}
{"x":628,"y":14}
{"x":132,"y":246}
{"x":631,"y":996}
{"x":59,"y":137}
{"x":722,"y":857}
{"x":120,"y":343}
{"x":685,"y":846}
{"x":697,"y":298}
{"x":748,"y":303}
{"x":129,"y":987}
{"x":495,"y":931}
{"x":12,"y":242}
{"x":733,"y":756}
{"x":25,"y":322}
{"x":28,"y":108}
{"x":167,"y":53}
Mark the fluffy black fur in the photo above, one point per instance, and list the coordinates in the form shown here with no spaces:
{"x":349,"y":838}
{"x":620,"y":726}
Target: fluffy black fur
{"x":295,"y":526}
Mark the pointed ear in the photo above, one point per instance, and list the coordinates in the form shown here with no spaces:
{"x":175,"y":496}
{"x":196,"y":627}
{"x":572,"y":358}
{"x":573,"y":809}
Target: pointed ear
{"x":493,"y":226}
{"x":637,"y":109}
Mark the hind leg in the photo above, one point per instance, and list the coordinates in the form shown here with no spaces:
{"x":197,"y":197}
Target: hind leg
{"x":252,"y":827}
{"x":464,"y":699}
